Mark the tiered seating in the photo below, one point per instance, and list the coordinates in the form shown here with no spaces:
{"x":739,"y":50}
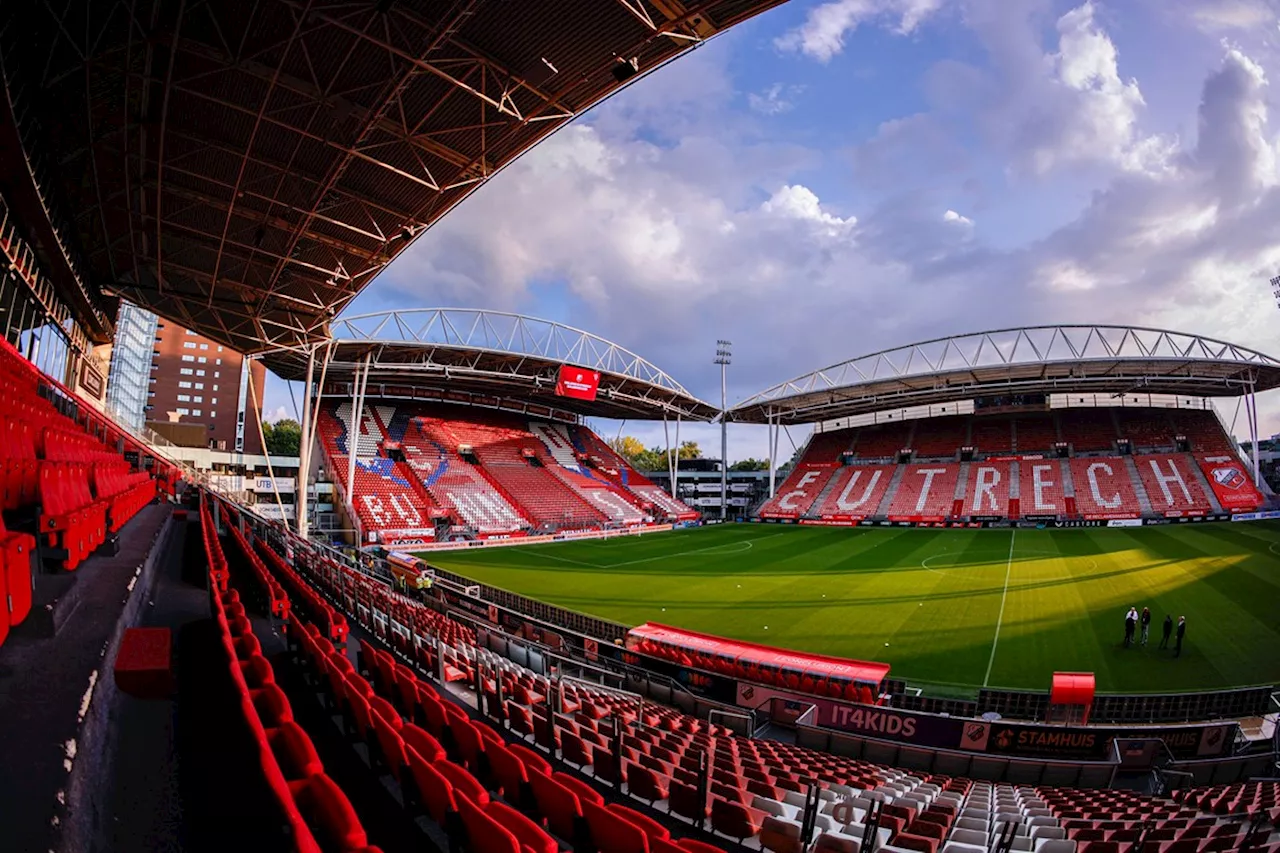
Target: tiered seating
{"x":941,"y":436}
{"x":882,"y":441}
{"x":991,"y":434}
{"x":1172,"y":485}
{"x":616,"y":469}
{"x":126,"y":491}
{"x":15,"y":578}
{"x":927,"y":492}
{"x":855,"y":492}
{"x":1035,"y":433}
{"x":1146,"y":429}
{"x":611,"y":502}
{"x":386,"y":500}
{"x":1202,"y":428}
{"x":1248,"y":798}
{"x":798,"y":491}
{"x":1231,"y":481}
{"x":1104,"y":488}
{"x":828,"y":446}
{"x":458,"y":485}
{"x":1040,"y":487}
{"x":1088,"y":430}
{"x":71,"y":518}
{"x":317,"y":814}
{"x":987,"y":491}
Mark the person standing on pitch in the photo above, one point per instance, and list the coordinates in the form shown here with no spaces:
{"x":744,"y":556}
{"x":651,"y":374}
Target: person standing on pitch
{"x":1145,"y":621}
{"x":1130,"y":622}
{"x":1168,"y":629}
{"x":1182,"y":630}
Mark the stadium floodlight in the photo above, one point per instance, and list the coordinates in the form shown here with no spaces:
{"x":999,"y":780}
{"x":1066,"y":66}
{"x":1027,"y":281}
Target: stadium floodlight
{"x":1275,"y":289}
{"x":724,"y":356}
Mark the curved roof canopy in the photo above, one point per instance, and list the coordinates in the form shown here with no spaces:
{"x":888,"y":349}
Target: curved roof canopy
{"x":246,"y":167}
{"x":495,"y":354}
{"x":1031,"y":360}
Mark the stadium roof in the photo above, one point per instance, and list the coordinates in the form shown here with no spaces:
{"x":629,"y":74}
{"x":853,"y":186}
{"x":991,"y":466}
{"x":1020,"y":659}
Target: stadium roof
{"x":496,"y":354}
{"x":1031,"y":360}
{"x":246,"y":167}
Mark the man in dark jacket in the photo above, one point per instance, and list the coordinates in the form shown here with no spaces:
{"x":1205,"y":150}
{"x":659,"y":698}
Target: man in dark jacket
{"x":1168,"y":629}
{"x":1130,"y":623}
{"x":1182,"y":630}
{"x":1145,"y":622}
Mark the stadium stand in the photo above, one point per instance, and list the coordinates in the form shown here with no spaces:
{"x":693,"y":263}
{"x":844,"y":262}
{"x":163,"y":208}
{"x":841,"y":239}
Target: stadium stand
{"x":927,"y":493}
{"x":854,"y":491}
{"x":622,"y":756}
{"x":1001,"y":483}
{"x":491,"y":472}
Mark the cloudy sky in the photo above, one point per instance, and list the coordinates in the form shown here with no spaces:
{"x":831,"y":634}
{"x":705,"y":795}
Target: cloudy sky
{"x":833,"y":178}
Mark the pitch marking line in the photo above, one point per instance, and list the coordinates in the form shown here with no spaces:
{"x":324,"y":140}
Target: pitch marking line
{"x":750,"y":543}
{"x":1008,"y":570}
{"x":1272,"y":547}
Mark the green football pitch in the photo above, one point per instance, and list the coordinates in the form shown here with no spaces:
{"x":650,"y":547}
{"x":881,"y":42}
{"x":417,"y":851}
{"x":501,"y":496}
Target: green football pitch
{"x":949,"y":609}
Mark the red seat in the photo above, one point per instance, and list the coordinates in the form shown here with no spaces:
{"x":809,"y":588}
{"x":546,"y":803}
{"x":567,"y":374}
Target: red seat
{"x":650,"y":827}
{"x":611,"y":833}
{"x":735,"y":820}
{"x":647,"y":784}
{"x":431,"y":787}
{"x":485,"y":834}
{"x":328,"y":813}
{"x":464,"y":784}
{"x":558,"y":805}
{"x":294,"y":751}
{"x":531,"y":837}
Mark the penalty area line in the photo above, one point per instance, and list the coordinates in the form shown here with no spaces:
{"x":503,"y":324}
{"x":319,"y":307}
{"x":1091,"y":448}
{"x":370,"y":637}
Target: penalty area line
{"x":1008,"y":569}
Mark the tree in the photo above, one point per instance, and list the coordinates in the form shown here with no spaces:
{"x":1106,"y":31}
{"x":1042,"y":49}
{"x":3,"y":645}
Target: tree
{"x":750,"y":464}
{"x":284,"y":438}
{"x":689,"y":450}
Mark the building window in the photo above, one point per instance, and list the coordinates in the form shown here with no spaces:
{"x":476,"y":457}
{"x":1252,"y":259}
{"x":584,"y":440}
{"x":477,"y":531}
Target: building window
{"x":184,"y":411}
{"x":199,"y":373}
{"x":215,"y":386}
{"x":190,"y":333}
{"x":187,"y":345}
{"x":219,"y":349}
{"x":195,"y":413}
{"x":219,"y":361}
{"x":217,"y":373}
{"x":186,"y":371}
{"x":188,"y":358}
{"x":152,"y":381}
{"x":213,"y":414}
{"x":204,"y":346}
{"x":184,"y":398}
{"x":199,"y":386}
{"x":214,"y":401}
{"x":202,"y":359}
{"x":197,"y":399}
{"x":184,"y":384}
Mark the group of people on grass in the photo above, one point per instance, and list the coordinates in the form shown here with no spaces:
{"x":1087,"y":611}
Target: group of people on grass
{"x":1133,"y":621}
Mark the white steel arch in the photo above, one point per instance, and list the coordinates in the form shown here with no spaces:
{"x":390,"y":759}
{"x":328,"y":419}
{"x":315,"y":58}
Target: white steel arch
{"x":505,"y":332}
{"x":1010,"y":348}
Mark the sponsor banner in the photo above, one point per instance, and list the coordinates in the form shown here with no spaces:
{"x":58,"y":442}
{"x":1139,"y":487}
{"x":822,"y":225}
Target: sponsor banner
{"x":1046,"y":517}
{"x":840,"y":516}
{"x":917,"y":518}
{"x":772,"y":515}
{"x":1232,"y":486}
{"x":829,"y":522}
{"x":1108,"y":516}
{"x":1029,"y":457}
{"x":1089,"y":743}
{"x":1255,"y":516}
{"x":283,"y":485}
{"x":577,"y":383}
{"x":91,"y":383}
{"x":1124,"y":522}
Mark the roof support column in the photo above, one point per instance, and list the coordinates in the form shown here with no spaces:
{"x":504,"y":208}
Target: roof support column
{"x":772,"y":437}
{"x":353,"y":437}
{"x":262,"y":439}
{"x":675,"y":461}
{"x":1251,"y":412}
{"x":310,"y":421}
{"x":304,"y":450}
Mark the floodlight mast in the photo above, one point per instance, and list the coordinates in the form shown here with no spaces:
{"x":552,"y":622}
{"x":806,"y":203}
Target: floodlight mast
{"x":724,"y":357}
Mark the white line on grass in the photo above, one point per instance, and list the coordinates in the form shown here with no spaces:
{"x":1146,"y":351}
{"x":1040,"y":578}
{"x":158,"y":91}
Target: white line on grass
{"x":748,"y":543}
{"x":1008,"y":569}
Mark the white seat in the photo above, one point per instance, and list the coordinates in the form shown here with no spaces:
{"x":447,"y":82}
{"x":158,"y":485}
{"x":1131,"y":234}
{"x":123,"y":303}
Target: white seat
{"x":1040,"y":833}
{"x":772,"y":807}
{"x":969,"y":836}
{"x":957,"y":847}
{"x":1055,"y":845}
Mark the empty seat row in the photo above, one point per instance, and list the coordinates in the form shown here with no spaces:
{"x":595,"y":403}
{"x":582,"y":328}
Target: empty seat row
{"x":318,"y":815}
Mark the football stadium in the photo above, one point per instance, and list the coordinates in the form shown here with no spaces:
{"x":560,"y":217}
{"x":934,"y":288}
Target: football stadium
{"x":1016,"y":591}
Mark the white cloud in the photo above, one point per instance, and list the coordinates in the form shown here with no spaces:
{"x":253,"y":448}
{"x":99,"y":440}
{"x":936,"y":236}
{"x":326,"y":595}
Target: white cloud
{"x":666,"y":246}
{"x":280,"y":413}
{"x":799,"y":202}
{"x":823,"y":33}
{"x":1222,"y":15}
{"x":775,"y":100}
